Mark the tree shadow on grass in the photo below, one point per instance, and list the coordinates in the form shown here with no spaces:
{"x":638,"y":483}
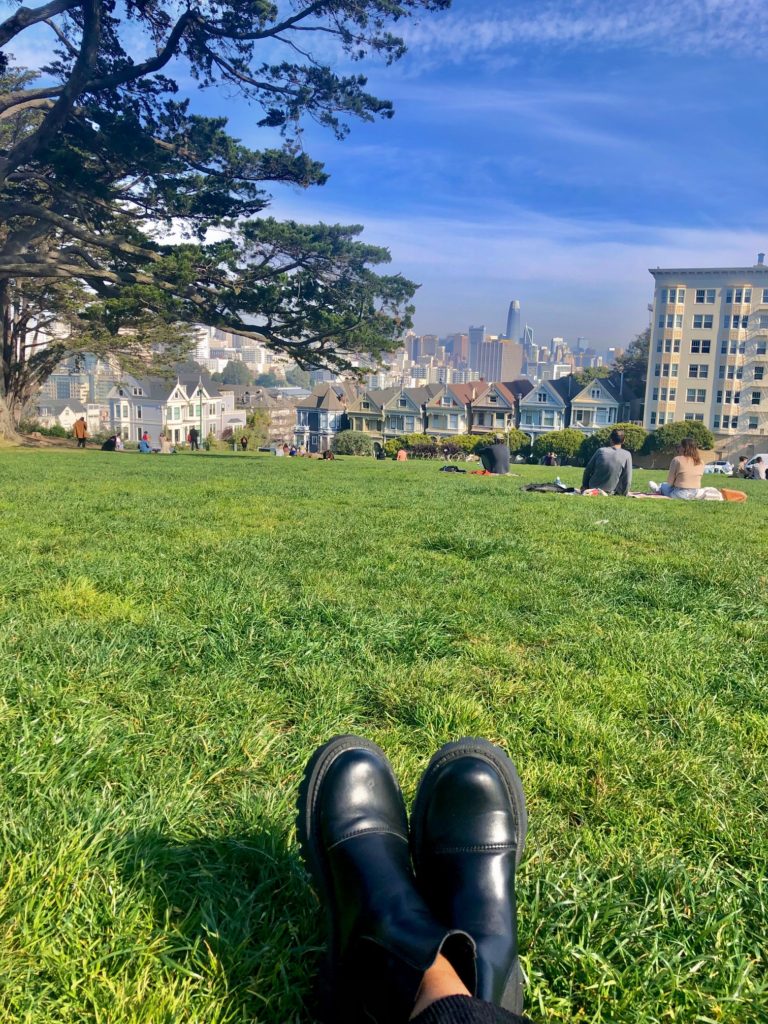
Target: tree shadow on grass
{"x":235,"y":912}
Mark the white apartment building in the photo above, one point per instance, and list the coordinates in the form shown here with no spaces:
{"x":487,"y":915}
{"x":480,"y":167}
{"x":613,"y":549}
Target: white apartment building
{"x":708,"y":358}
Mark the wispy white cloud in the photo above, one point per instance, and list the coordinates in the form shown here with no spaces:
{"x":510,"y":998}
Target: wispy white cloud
{"x":687,"y":26}
{"x":574,"y":276}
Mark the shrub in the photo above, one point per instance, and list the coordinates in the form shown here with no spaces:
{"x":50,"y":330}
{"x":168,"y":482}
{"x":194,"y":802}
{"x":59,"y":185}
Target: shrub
{"x":667,"y":438}
{"x":634,"y":440}
{"x":566,"y":444}
{"x":519,"y":442}
{"x":352,"y":442}
{"x":31,"y":426}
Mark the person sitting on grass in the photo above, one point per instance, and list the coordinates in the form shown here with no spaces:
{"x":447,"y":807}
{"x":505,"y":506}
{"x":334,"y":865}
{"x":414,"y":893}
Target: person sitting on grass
{"x":144,"y":448}
{"x":110,"y":445}
{"x":757,"y":469}
{"x":685,"y":473}
{"x":609,"y":469}
{"x":422,"y":922}
{"x":495,"y":457}
{"x":741,"y":469}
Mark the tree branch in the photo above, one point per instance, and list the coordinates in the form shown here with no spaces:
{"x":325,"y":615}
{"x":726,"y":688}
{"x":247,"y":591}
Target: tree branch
{"x":86,"y":60}
{"x":26,"y":16}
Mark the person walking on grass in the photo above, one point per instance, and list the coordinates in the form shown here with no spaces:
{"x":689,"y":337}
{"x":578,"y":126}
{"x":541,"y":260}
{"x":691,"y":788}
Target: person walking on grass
{"x":421,"y":921}
{"x":80,"y":430}
{"x":194,"y":439}
{"x":609,"y":469}
{"x":685,"y":473}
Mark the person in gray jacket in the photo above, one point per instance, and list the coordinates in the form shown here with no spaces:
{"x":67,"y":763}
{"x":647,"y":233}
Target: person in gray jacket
{"x":495,"y":457}
{"x":610,"y":468}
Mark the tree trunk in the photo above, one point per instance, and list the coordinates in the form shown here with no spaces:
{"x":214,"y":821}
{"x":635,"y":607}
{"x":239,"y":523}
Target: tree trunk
{"x":8,"y":430}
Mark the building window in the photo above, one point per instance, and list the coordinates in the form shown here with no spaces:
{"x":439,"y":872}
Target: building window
{"x":696,"y":395}
{"x":653,"y":419}
{"x":700,"y":370}
{"x":755,"y":398}
{"x":705,"y":295}
{"x":662,"y":418}
{"x":493,"y":399}
{"x":735,"y":323}
{"x":765,"y":294}
{"x":716,"y":422}
{"x":402,"y":403}
{"x":701,"y":345}
{"x":674,"y":369}
{"x":365,"y":405}
{"x":761,"y":348}
{"x":698,"y":416}
{"x":673,"y":295}
{"x":747,"y":294}
{"x":595,"y":393}
{"x":702,"y":320}
{"x":759,"y":372}
{"x":752,"y":423}
{"x":656,"y":394}
{"x":138,"y":412}
{"x":659,"y":344}
{"x":657,"y":370}
{"x":541,"y":396}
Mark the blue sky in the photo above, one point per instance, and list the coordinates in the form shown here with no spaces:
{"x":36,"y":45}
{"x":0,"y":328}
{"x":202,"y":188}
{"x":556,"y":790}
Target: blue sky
{"x":552,"y":152}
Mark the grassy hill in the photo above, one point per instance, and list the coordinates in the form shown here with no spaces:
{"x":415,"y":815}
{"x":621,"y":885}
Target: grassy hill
{"x":177,"y":635}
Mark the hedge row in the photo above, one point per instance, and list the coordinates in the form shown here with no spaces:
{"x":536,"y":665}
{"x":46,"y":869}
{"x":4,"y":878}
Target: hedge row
{"x":569,"y":445}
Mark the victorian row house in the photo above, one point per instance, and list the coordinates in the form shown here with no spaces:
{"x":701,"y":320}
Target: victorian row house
{"x":445,"y":410}
{"x":157,"y":405}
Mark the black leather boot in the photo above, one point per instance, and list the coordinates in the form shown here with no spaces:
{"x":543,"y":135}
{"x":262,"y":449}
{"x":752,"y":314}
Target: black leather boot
{"x":468,"y":831}
{"x":353,"y":833}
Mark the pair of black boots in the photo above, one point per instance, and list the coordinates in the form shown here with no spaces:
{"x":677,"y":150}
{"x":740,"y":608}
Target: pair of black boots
{"x":396,"y":899}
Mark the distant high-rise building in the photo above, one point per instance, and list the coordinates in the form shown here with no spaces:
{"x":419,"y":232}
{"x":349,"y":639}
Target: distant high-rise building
{"x":476,"y":339}
{"x":457,"y":347}
{"x":499,"y":360}
{"x":513,"y":321}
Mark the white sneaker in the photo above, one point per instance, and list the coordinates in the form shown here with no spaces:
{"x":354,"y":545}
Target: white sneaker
{"x":654,"y":486}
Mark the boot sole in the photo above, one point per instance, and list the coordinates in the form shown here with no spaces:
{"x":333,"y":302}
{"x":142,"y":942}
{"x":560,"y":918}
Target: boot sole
{"x":512,"y":997}
{"x":334,"y":995}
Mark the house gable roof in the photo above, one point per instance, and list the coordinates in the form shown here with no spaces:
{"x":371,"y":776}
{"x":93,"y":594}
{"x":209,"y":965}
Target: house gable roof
{"x":324,"y":397}
{"x":554,"y":395}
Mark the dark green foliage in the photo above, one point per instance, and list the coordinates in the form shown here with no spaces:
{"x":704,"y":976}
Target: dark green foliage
{"x":266,"y":380}
{"x":352,"y":442}
{"x":666,"y":439}
{"x":297,"y":377}
{"x":634,"y":363}
{"x":635,"y":439}
{"x":590,"y":373}
{"x":258,"y":427}
{"x":566,"y":444}
{"x":30,"y":426}
{"x":519,"y":441}
{"x":235,"y":372}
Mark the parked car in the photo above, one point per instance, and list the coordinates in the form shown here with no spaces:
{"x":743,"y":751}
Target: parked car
{"x":759,"y":455}
{"x":722,"y":466}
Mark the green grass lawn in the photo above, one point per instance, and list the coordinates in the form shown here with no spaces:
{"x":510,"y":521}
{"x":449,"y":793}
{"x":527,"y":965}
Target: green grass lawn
{"x":177,"y":635}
